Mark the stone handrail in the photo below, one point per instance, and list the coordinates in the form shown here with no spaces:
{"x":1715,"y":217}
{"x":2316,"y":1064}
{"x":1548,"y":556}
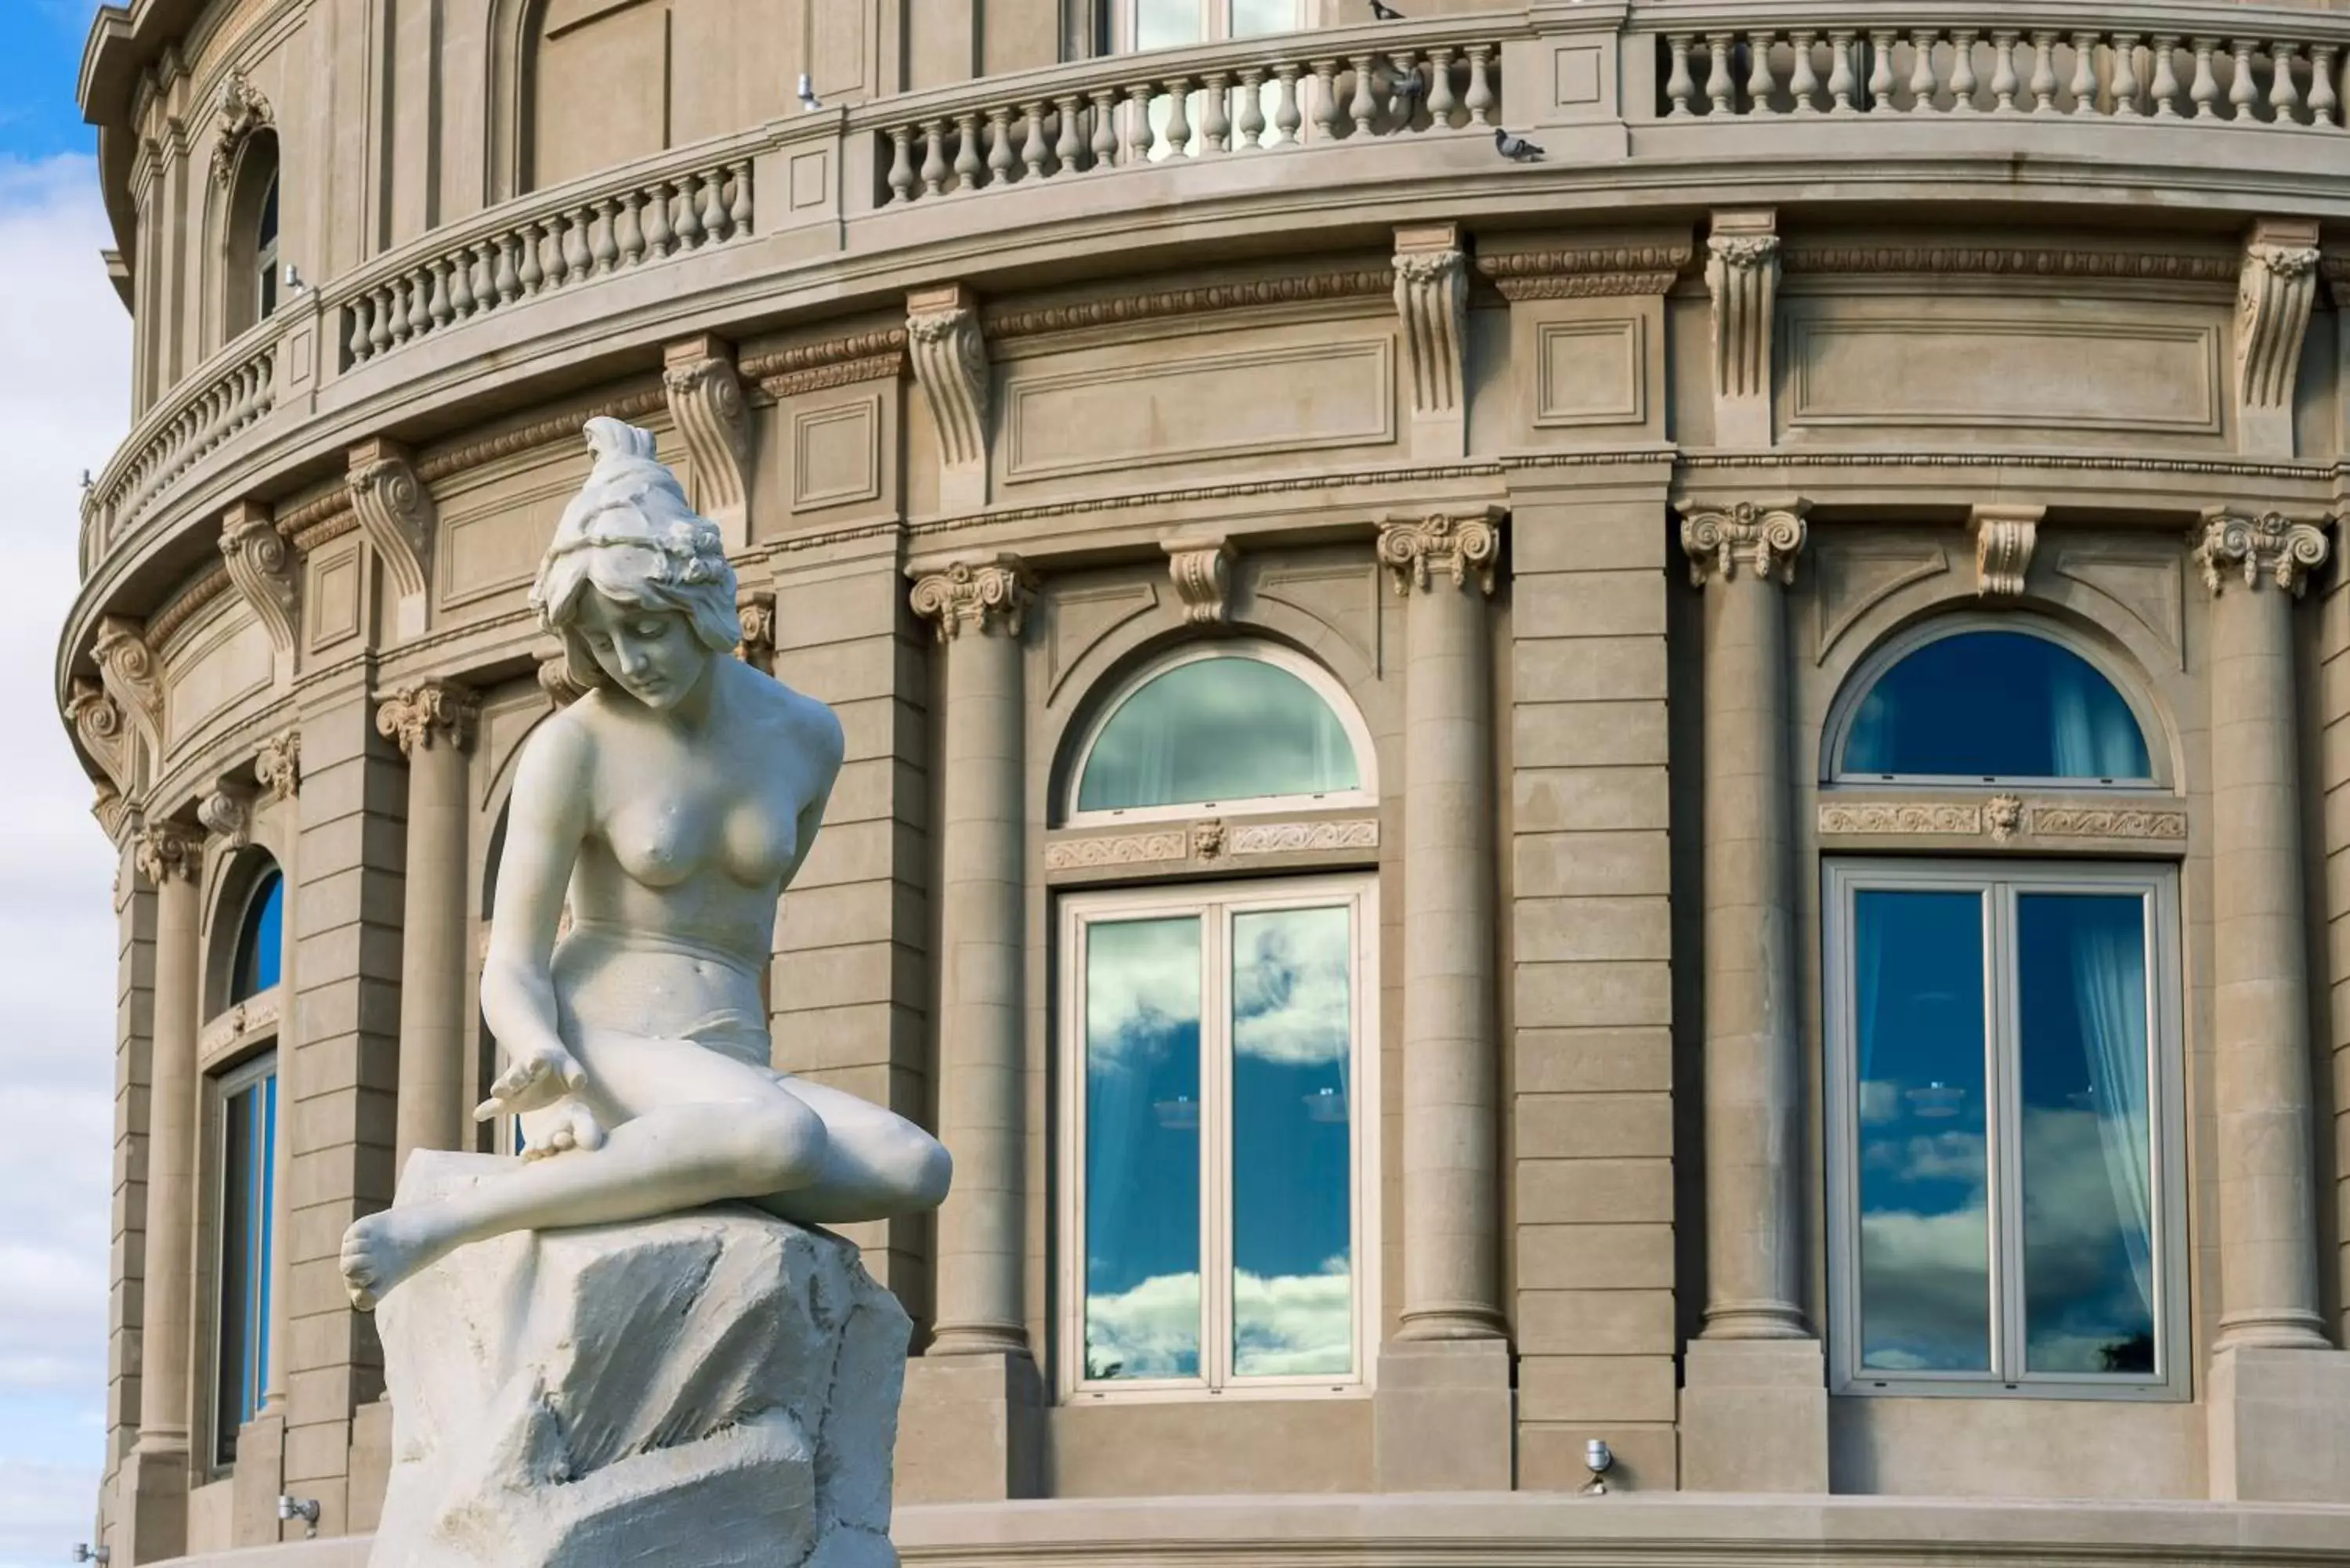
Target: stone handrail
{"x":1201,"y":101}
{"x":614,"y":221}
{"x":228,"y":393}
{"x":2241,"y":66}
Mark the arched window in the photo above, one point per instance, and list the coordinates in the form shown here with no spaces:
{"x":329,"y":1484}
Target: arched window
{"x":1226,"y":727}
{"x":1987,"y":704}
{"x":251,"y":264}
{"x":260,"y":939}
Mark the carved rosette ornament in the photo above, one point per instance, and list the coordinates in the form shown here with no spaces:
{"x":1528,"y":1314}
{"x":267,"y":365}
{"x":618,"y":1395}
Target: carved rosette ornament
{"x":975,"y":596}
{"x":756,"y":611}
{"x":1418,"y":551}
{"x":166,"y":850}
{"x":705,"y":399}
{"x":1202,"y":571}
{"x":428,"y":714}
{"x":2274,"y":291}
{"x":243,"y":112}
{"x":278,"y":765}
{"x":1431,"y":297}
{"x":2267,"y":546}
{"x":949,"y":360}
{"x":226,"y":813}
{"x":260,"y":566}
{"x":2004,"y":536}
{"x":1763,"y":536}
{"x":396,"y":513}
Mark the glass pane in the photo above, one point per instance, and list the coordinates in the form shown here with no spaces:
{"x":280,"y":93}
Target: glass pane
{"x":2088,"y":1198}
{"x":1254,"y":18}
{"x":248,"y":1121}
{"x":1163,"y":24}
{"x":1217,"y":730}
{"x":1142,"y":1148}
{"x":1293,"y":1113}
{"x":1996,"y":704}
{"x":261,"y":943}
{"x":1925,"y":1246}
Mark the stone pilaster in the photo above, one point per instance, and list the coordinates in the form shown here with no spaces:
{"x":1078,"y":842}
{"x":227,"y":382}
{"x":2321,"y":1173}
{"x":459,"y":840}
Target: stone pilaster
{"x":1754,"y":1402}
{"x":434,"y":722}
{"x":1741,"y":273}
{"x":1431,"y":295}
{"x":1443,"y":1421}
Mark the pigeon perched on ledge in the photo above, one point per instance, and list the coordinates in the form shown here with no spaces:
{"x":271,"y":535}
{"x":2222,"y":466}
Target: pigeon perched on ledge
{"x":1516,"y":148}
{"x":808,"y":99}
{"x":1381,"y":11}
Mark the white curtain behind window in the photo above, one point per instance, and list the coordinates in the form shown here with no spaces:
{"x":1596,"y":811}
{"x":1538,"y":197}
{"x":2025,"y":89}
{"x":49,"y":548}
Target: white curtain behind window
{"x":2091,"y":739}
{"x":2109,"y":989}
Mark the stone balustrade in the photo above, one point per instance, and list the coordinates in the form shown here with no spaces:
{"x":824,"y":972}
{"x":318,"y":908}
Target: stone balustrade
{"x":1127,"y":111}
{"x":2253,"y":69}
{"x":209,"y":406}
{"x":540,"y":245}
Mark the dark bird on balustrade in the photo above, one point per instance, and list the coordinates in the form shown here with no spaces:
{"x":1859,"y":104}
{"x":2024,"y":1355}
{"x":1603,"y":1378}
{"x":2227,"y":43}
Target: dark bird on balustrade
{"x":809,"y":100}
{"x":1407,"y":84}
{"x":1516,"y":148}
{"x":1384,"y":12}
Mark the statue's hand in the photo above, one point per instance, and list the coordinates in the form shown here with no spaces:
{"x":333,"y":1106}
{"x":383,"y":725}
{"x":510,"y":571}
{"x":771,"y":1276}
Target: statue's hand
{"x":534,"y":1080}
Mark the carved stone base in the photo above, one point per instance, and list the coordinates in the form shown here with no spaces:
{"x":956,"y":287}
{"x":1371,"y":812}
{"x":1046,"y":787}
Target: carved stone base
{"x":716,"y":1389}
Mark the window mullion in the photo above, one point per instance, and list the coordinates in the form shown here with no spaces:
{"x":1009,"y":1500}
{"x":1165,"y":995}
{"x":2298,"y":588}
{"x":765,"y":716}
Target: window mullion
{"x":2005,"y":1123}
{"x":1215,"y":1143}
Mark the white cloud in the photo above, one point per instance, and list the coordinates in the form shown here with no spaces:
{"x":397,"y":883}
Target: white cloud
{"x":1285,"y":1324}
{"x":64,"y":357}
{"x":1142,"y":986}
{"x":1291,"y":997}
{"x":1150,"y":1331}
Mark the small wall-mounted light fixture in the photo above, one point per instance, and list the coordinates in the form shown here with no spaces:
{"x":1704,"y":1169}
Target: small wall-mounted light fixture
{"x":1598,"y":1458}
{"x":294,"y":283}
{"x":85,"y":1552}
{"x":305,"y":1509}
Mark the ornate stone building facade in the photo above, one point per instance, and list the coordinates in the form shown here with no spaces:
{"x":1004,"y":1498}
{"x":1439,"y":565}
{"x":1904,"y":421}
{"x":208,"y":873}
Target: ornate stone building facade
{"x":1685,"y":792}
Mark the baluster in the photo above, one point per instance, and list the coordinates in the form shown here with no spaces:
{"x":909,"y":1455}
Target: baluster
{"x":717,"y":225}
{"x":486,"y":276}
{"x":743,"y":208}
{"x":2084,"y":72}
{"x":689,"y":230}
{"x":1251,"y":125}
{"x":1679,"y":88}
{"x":548,"y":240}
{"x":631,"y":228}
{"x":1034,"y":150}
{"x":1962,"y":71}
{"x":934,"y":159}
{"x":1881,"y":71}
{"x":1363,"y":108}
{"x":1105,"y":141}
{"x":603,"y":245}
{"x":2206,"y":91}
{"x":901,"y":164}
{"x":361,"y":345}
{"x":1721,"y":87}
{"x":1069,"y":149}
{"x":1215,"y":113}
{"x":660,"y":231}
{"x":1842,"y":83}
{"x":1288,"y":117}
{"x":2325,"y":102}
{"x":1762,"y":86}
{"x":1137,"y":135}
{"x":2004,"y":82}
{"x":2242,"y":94}
{"x":2284,"y":97}
{"x":1804,"y":83}
{"x":1325,"y":100}
{"x":1440,"y":101}
{"x":967,"y":163}
{"x":2166,"y":77}
{"x":1922,"y":84}
{"x":999,"y":145}
{"x":577,"y":255}
{"x":399,"y":311}
{"x":1480,"y":100}
{"x":2043,"y":73}
{"x":1179,"y":119}
{"x":2125,"y":84}
{"x":420,"y":302}
{"x":461,"y":289}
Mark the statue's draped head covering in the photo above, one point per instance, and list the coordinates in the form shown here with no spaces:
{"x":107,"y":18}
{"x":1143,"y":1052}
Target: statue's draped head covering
{"x":631,"y":536}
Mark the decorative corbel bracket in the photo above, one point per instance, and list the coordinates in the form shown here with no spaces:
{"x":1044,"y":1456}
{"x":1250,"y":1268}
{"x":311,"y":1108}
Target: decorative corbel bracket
{"x":226,"y":812}
{"x":705,"y":400}
{"x":949,"y":360}
{"x":396,"y":513}
{"x":2274,"y":290}
{"x":1431,"y":295}
{"x":97,"y":721}
{"x":278,"y":765}
{"x":1741,"y":273}
{"x":260,"y":565}
{"x":126,"y":667}
{"x":243,"y":112}
{"x":1202,"y":574}
{"x":2004,"y":536}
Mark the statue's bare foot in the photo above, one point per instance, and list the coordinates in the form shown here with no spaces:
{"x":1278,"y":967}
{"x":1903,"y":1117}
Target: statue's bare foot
{"x":381,"y":1250}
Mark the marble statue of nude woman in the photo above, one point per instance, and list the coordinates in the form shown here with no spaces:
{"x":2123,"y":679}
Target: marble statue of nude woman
{"x":670,"y":805}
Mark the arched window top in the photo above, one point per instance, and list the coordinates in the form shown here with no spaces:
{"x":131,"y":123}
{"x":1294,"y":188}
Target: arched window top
{"x":1986,"y":703}
{"x":1233,"y":727}
{"x":260,"y":939}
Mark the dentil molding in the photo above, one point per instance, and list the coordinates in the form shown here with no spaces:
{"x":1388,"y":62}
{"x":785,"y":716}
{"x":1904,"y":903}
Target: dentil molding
{"x":979,"y":596}
{"x":2266,"y":545}
{"x":1763,"y":536}
{"x":427,"y":715}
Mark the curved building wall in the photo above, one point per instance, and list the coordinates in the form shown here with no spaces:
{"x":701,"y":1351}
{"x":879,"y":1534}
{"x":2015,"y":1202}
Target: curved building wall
{"x":1588,"y":488}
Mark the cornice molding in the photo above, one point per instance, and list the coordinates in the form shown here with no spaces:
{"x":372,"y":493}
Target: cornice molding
{"x":166,"y":623}
{"x":1585,"y":272}
{"x":1991,"y":261}
{"x":842,"y":361}
{"x":547,"y":432}
{"x":1004,"y":323}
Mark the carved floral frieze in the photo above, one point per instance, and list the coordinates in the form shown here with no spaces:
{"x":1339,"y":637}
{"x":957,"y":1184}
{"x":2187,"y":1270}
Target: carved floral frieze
{"x":254,"y":1015}
{"x":2002,"y":818}
{"x":1211,"y":839}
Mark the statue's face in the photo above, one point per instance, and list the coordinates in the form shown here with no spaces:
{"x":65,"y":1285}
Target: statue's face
{"x":651,"y":654}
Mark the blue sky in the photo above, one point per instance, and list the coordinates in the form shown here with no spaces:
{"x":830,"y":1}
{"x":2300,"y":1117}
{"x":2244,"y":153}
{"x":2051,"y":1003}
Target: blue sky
{"x":64,"y":357}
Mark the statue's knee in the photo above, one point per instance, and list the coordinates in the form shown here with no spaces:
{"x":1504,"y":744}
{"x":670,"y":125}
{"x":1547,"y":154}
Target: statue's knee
{"x":776,"y":1146}
{"x":926,"y":1168}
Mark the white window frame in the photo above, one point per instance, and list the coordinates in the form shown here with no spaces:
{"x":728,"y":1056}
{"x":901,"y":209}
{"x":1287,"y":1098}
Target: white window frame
{"x":1215,"y":904}
{"x":2001,"y":882}
{"x":220,"y":1088}
{"x":1837,"y":733}
{"x":1334,"y":697}
{"x":1215,"y":22}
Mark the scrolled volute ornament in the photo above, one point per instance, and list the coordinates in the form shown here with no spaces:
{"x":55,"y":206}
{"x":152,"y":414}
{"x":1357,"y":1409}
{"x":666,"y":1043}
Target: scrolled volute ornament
{"x":1417,"y":551}
{"x":1763,"y":536}
{"x":2256,"y":547}
{"x":974,"y":595}
{"x":167,"y":850}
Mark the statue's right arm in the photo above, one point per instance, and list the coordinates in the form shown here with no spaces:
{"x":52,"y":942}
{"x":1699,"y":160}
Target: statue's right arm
{"x":546,"y":820}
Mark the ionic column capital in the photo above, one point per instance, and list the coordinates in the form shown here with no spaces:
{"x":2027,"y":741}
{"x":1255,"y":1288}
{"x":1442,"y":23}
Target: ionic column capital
{"x":427,"y":715}
{"x":168,"y":852}
{"x":979,"y":596}
{"x":1763,"y":536}
{"x":2264,"y":545}
{"x":1455,"y":548}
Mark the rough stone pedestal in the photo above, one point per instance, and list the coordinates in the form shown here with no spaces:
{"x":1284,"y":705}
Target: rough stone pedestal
{"x":716,"y":1389}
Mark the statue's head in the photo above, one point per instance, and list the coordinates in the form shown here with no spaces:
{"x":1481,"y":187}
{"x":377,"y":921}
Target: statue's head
{"x":635,"y":583}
